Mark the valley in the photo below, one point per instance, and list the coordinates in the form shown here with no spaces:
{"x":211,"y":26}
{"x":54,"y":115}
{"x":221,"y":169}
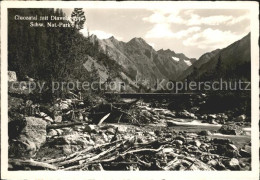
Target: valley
{"x":139,"y":123}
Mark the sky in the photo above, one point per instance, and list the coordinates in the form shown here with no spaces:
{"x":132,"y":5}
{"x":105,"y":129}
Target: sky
{"x":189,"y":31}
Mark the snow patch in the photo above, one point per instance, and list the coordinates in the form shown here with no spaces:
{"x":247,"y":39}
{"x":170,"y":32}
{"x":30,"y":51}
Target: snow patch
{"x":175,"y":59}
{"x":188,"y":62}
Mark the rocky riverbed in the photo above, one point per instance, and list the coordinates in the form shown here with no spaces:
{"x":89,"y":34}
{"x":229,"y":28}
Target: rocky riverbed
{"x":141,"y":137}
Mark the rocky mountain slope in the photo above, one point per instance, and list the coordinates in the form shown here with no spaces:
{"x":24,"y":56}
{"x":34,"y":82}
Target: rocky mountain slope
{"x":142,"y":62}
{"x":232,"y":62}
{"x":202,"y":60}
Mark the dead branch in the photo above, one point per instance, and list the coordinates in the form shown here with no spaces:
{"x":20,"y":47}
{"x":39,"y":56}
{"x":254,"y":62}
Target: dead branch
{"x":32,"y":163}
{"x":103,"y":119}
{"x":119,"y":118}
{"x":142,"y":150}
{"x":90,"y":159}
{"x":80,"y":152}
{"x":172,"y":164}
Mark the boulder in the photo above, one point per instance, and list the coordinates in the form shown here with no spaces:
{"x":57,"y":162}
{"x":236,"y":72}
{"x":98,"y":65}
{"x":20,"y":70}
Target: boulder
{"x":48,"y":118}
{"x":80,"y":116}
{"x":56,"y":107}
{"x":90,"y":128}
{"x":181,"y":138}
{"x":85,"y":118}
{"x":168,"y":113}
{"x":12,"y":76}
{"x":240,"y":118}
{"x":111,"y":131}
{"x":178,"y":142}
{"x":42,"y":115}
{"x":122,"y":129}
{"x":212,"y":116}
{"x":212,"y":163}
{"x":229,"y":150}
{"x":204,"y":147}
{"x":67,"y":149}
{"x":146,"y":113}
{"x":212,"y":119}
{"x":168,"y":150}
{"x":245,"y":153}
{"x":205,"y":133}
{"x":79,"y":128}
{"x":52,"y":132}
{"x":30,"y":139}
{"x":64,"y":106}
{"x":231,"y":129}
{"x":60,"y":131}
{"x":187,"y":115}
{"x":221,"y":141}
{"x":196,"y":143}
{"x":151,"y":133}
{"x":58,"y":119}
{"x":220,"y":166}
{"x":232,"y":164}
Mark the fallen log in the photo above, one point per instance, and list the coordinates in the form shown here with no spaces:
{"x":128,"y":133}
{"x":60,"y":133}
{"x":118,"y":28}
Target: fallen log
{"x":119,"y":118}
{"x":80,"y":152}
{"x":172,"y":164}
{"x":31,"y":163}
{"x":142,"y":150}
{"x":95,"y":159}
{"x":146,"y":164}
{"x":90,"y":159}
{"x":103,"y":119}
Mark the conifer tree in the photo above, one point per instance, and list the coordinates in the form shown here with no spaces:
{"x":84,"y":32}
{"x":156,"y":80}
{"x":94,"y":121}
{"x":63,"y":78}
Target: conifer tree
{"x":78,"y":18}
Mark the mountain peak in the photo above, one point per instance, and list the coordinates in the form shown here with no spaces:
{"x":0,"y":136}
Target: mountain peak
{"x":112,"y":38}
{"x":138,"y":40}
{"x":166,"y":51}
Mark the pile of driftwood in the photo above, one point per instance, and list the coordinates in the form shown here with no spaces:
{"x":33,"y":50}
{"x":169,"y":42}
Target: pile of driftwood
{"x":119,"y":155}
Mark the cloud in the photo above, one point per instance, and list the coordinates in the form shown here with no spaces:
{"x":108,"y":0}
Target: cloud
{"x":100,"y":34}
{"x":165,"y":10}
{"x":159,"y":31}
{"x":155,"y":18}
{"x":239,"y":19}
{"x":205,"y":31}
{"x":164,"y":16}
{"x":184,"y":33}
{"x":215,"y":20}
{"x":210,"y":20}
{"x":212,"y":39}
{"x":164,"y":31}
{"x":190,"y":18}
